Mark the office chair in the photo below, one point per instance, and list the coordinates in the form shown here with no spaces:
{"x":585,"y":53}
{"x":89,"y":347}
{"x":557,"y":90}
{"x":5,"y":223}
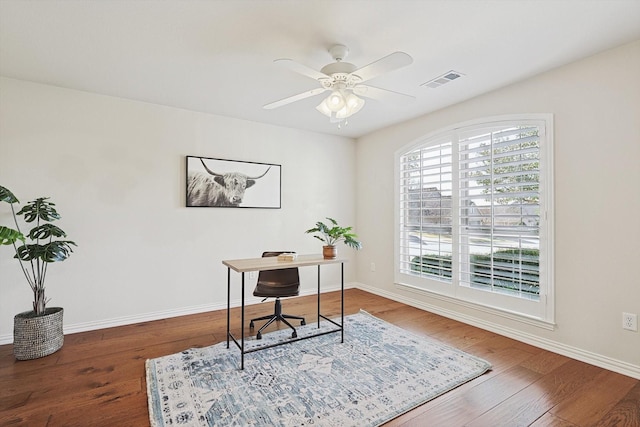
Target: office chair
{"x":277,"y":284}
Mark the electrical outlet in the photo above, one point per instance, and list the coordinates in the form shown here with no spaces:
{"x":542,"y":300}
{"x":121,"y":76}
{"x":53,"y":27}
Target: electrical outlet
{"x":373,"y":267}
{"x":253,"y":274}
{"x":630,"y":321}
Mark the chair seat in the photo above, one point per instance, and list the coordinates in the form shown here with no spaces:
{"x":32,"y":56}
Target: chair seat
{"x":267,"y":289}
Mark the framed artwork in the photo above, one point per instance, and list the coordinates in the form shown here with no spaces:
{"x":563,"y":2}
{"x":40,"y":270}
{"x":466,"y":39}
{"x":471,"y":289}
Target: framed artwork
{"x":220,"y":183}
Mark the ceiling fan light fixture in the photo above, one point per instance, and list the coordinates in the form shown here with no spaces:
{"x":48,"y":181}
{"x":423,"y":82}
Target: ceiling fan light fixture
{"x":336,"y":101}
{"x":353,"y":103}
{"x":350,"y":104}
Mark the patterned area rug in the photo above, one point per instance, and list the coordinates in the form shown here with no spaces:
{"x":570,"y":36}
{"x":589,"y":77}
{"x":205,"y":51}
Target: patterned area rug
{"x":378,"y":373}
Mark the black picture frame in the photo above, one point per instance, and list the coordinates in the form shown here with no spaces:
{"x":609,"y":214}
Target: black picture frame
{"x":223,"y":183}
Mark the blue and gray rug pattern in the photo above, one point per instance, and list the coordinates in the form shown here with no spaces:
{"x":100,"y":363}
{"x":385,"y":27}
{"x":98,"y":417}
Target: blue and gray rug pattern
{"x":379,"y":372}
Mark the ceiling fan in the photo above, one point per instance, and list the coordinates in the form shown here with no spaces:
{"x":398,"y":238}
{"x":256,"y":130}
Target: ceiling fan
{"x":344,"y":80}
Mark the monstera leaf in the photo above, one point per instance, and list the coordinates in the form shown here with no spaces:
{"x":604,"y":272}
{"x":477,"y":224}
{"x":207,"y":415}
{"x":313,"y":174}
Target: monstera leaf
{"x":7,"y":196}
{"x":8,"y":235}
{"x":39,"y":208}
{"x":46,"y":231}
{"x":50,"y":252}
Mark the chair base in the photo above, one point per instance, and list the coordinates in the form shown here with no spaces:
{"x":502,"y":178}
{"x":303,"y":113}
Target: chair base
{"x":277,"y":316}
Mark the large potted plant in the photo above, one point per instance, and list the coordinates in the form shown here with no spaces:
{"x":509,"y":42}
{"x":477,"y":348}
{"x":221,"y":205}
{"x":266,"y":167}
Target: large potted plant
{"x":38,"y":332}
{"x":332,"y":234}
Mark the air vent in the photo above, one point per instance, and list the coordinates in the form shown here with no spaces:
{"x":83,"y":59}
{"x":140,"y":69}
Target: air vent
{"x":440,"y":80}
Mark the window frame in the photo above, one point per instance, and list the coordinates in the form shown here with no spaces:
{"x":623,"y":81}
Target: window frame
{"x":539,"y":313}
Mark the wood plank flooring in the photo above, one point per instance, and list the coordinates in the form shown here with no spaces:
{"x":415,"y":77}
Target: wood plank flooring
{"x":98,"y":377}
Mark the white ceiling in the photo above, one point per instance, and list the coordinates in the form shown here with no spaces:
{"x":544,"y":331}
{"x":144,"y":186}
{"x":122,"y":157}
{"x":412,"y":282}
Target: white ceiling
{"x":217,"y":56}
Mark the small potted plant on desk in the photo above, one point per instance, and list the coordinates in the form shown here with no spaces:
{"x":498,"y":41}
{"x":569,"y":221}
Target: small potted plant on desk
{"x":36,"y":333}
{"x":332,"y":234}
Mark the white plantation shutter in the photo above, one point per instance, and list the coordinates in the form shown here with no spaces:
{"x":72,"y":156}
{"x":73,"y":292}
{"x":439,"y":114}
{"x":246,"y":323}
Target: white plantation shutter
{"x":474,"y":215}
{"x":425,"y":211}
{"x":500,"y":209}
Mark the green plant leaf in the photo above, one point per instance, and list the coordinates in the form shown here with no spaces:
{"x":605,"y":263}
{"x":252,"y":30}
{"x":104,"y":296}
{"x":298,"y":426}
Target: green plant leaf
{"x":8,"y":236}
{"x":7,"y":196}
{"x":334,"y":234}
{"x":46,"y":231}
{"x":58,"y":250}
{"x":28,"y":252}
{"x":51,"y":252}
{"x":39,"y":208}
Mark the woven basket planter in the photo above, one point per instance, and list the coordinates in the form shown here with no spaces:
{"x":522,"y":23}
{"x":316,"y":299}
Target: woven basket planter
{"x":37,"y":336}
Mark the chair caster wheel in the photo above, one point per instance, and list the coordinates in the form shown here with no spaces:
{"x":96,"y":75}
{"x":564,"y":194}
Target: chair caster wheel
{"x":251,"y":325}
{"x":294,"y":334}
{"x":258,"y":336}
{"x":302,"y":323}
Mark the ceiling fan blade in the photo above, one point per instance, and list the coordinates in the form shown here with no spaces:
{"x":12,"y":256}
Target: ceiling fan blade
{"x":382,"y":94}
{"x":294,"y":98}
{"x":301,"y":69}
{"x":384,"y":65}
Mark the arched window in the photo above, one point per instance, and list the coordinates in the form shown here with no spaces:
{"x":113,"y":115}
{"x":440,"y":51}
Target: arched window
{"x":474,"y":215}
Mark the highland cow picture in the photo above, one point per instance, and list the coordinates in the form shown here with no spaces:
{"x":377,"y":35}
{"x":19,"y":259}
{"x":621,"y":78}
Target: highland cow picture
{"x":223,"y":183}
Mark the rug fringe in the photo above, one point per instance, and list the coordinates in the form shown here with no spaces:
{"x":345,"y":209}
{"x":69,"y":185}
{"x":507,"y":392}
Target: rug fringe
{"x":152,"y":415}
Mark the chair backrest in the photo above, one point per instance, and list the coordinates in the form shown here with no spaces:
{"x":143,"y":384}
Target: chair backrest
{"x":287,"y":279}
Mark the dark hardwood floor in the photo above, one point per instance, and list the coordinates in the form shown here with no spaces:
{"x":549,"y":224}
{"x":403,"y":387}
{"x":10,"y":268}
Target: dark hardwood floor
{"x":98,"y":377}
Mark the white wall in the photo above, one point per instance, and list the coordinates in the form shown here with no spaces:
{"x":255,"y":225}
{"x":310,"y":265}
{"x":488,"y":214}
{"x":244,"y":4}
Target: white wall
{"x":596,"y":107}
{"x":116,"y":169}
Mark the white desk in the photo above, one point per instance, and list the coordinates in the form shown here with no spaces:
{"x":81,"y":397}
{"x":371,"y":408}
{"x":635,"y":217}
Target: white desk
{"x":271,"y":263}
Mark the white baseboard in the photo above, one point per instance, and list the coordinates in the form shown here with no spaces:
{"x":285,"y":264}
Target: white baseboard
{"x":599,"y":360}
{"x":546,"y":344}
{"x":165,"y":314}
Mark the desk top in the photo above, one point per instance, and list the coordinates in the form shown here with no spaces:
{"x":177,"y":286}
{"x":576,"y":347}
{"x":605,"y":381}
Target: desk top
{"x":272,"y":263}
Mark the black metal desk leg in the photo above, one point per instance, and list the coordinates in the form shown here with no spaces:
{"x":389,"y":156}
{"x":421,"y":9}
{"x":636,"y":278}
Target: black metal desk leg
{"x":342,"y":298}
{"x":228,"y":302}
{"x":242,"y":327}
{"x":318,"y":297}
